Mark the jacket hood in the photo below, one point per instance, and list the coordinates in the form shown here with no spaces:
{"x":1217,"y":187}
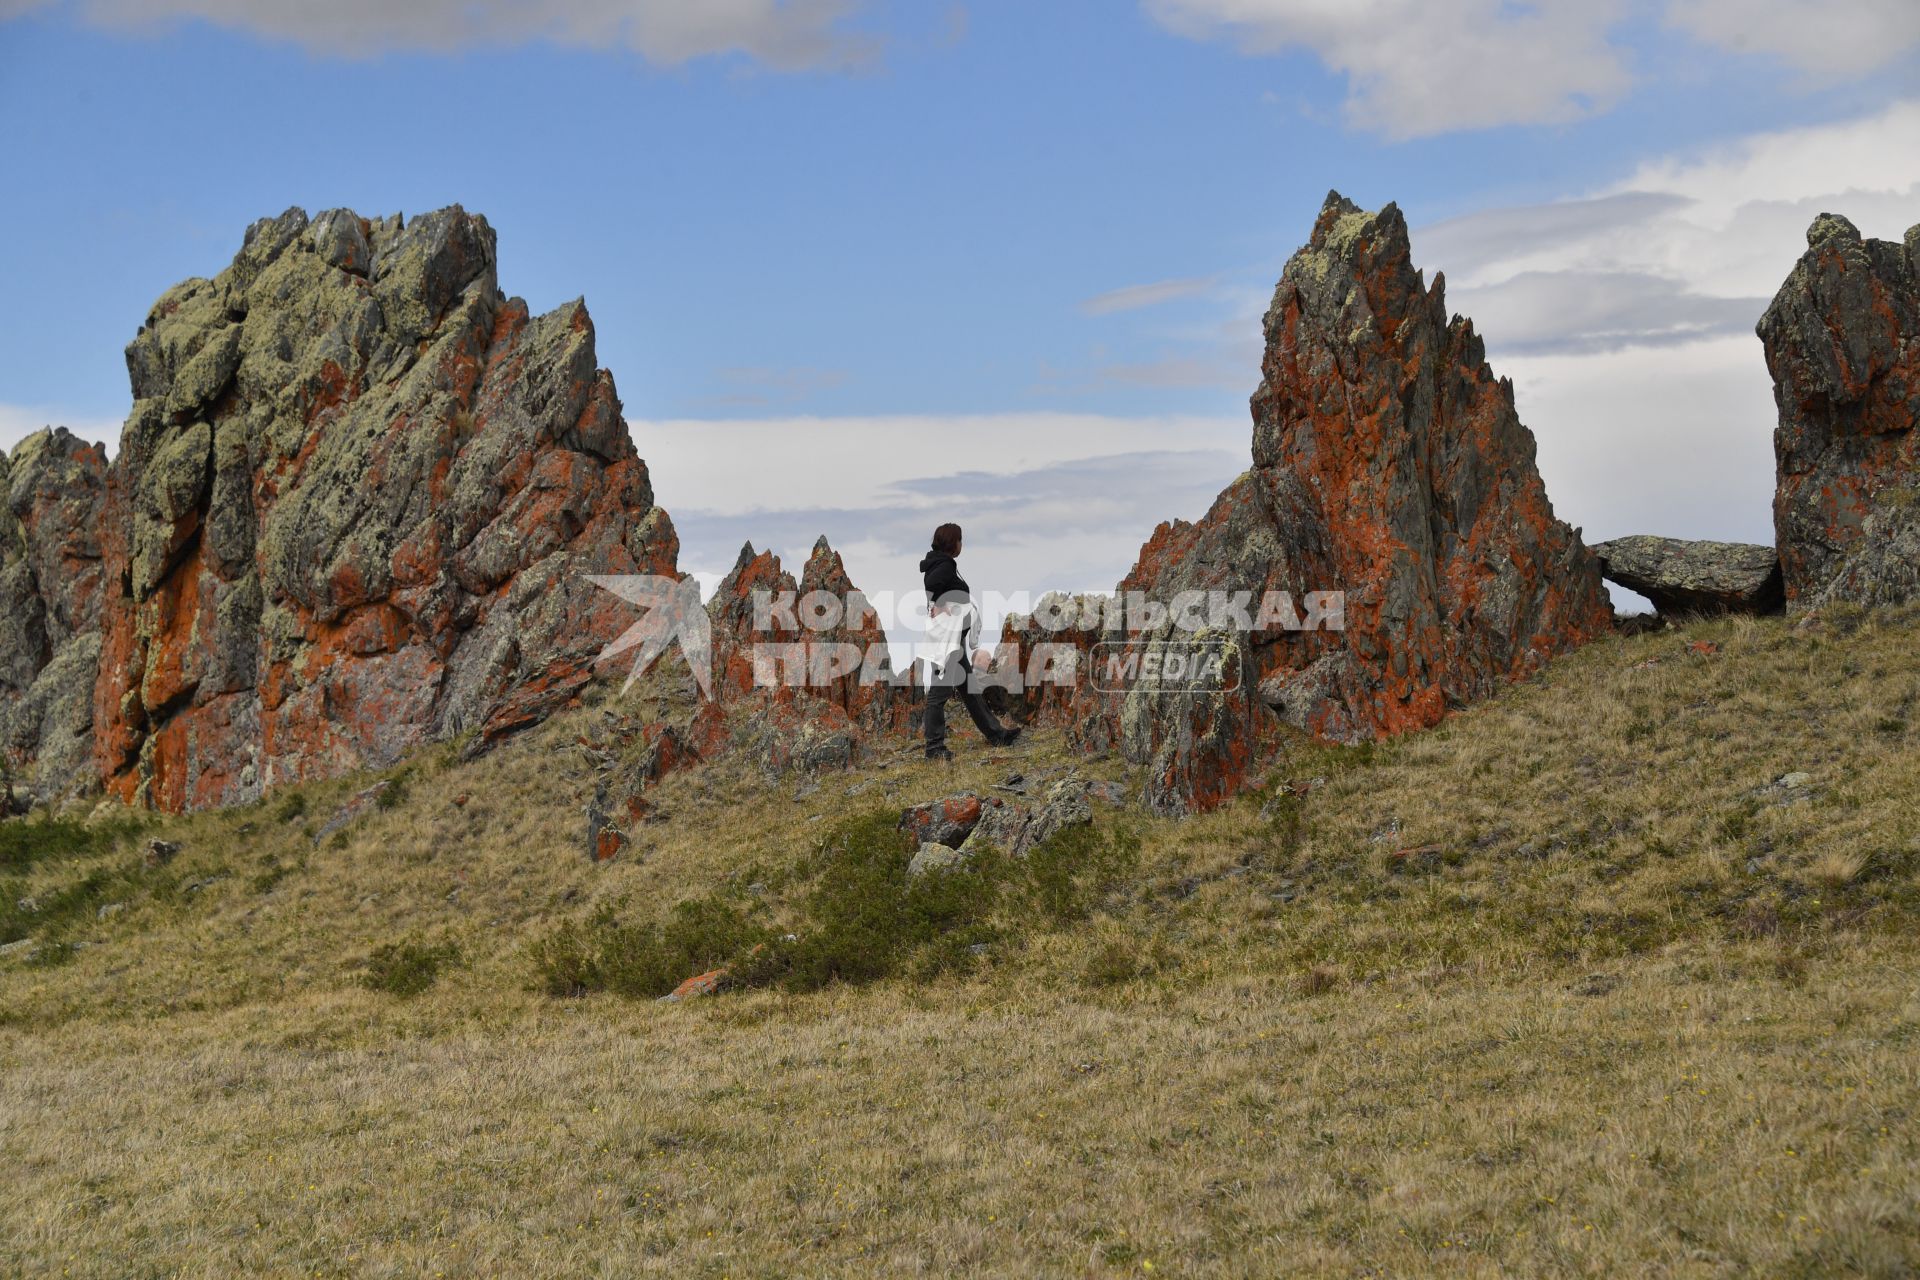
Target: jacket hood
{"x":932,"y":558}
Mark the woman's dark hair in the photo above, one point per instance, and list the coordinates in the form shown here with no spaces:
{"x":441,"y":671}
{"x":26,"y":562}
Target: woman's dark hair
{"x":946,"y":539}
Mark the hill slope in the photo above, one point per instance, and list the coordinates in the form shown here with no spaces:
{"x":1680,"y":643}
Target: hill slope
{"x":1612,"y":975}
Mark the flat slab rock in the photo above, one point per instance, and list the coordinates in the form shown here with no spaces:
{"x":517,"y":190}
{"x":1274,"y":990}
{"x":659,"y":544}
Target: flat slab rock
{"x":1682,"y":576}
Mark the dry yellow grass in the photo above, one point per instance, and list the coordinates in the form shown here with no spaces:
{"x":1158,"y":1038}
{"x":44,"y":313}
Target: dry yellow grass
{"x":1576,"y":985}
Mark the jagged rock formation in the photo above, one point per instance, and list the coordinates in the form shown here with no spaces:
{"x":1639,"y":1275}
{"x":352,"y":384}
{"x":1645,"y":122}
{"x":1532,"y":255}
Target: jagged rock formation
{"x":823,"y":683}
{"x":801,"y":683}
{"x":1842,"y":338}
{"x":352,"y":512}
{"x":1681,"y":576}
{"x":50,"y":585}
{"x":1389,"y":463}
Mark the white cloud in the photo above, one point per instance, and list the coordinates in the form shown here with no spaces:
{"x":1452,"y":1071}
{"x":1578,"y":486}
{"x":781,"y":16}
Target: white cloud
{"x":1668,"y":440}
{"x":788,"y":35}
{"x":1625,"y":317}
{"x":1415,"y":68}
{"x":1135,"y":296}
{"x":1687,"y":246}
{"x":1816,"y":36}
{"x":774,"y":464}
{"x":1050,"y":501}
{"x":1420,"y":67}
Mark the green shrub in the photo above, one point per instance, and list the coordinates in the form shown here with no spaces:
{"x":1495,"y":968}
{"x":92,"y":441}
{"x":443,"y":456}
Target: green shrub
{"x":566,"y":960}
{"x":865,"y":920}
{"x":1067,"y":874}
{"x":26,"y":841}
{"x":605,"y":954}
{"x":859,"y":919}
{"x":394,"y":794}
{"x":408,"y":968}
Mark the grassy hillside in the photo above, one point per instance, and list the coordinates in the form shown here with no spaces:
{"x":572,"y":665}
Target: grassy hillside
{"x":1612,"y":976}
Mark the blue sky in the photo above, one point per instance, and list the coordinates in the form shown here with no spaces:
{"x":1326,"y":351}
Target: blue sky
{"x":858,"y":265}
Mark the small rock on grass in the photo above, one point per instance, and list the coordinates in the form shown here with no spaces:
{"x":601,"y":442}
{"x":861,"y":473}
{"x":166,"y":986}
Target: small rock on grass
{"x":932,"y":857}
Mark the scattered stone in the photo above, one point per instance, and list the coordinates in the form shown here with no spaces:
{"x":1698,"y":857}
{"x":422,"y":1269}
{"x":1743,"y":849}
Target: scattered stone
{"x":933,"y":857}
{"x":110,"y":910}
{"x":948,"y":821}
{"x":24,"y":947}
{"x":1682,"y":577}
{"x":161,"y":852}
{"x":352,"y":809}
{"x":605,"y":838}
{"x":1002,"y":826}
{"x":1790,"y":781}
{"x":1066,"y":807}
{"x":703,"y":984}
{"x":1110,"y":793}
{"x":1842,"y":340}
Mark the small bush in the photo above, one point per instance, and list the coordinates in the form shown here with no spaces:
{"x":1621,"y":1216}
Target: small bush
{"x":860,"y":918}
{"x":291,"y":807}
{"x":394,"y":794}
{"x":1067,"y":874}
{"x":1110,"y":964}
{"x":865,"y":920}
{"x":408,"y":968}
{"x":27,"y":841}
{"x":605,"y":954}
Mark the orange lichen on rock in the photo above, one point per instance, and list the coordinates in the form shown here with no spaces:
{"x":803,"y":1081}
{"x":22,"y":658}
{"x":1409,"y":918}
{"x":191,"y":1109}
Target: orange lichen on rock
{"x":402,"y":559}
{"x":1389,"y":466}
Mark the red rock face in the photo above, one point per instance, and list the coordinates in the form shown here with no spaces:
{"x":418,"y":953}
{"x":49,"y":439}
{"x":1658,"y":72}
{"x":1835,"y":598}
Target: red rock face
{"x":1842,"y":340}
{"x":1390,"y":465}
{"x":353,"y":512}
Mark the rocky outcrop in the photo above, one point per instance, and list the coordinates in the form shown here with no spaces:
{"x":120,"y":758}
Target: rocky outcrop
{"x":801,"y":683}
{"x":1694,"y":577}
{"x":947,"y":821}
{"x":50,"y":588}
{"x":1842,"y":339}
{"x":353,"y":510}
{"x":1389,"y":463}
{"x":802,"y":665}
